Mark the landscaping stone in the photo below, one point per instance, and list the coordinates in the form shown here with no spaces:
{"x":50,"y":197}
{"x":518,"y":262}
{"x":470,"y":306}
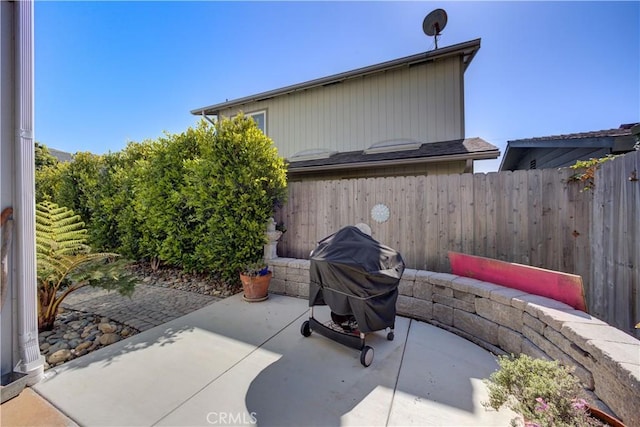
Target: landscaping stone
{"x":509,"y":340}
{"x":71,"y":335}
{"x":83,"y":346}
{"x":60,"y":345}
{"x":414,"y":307}
{"x":476,"y":326}
{"x":423,"y":290}
{"x":502,"y":314}
{"x":505,"y":295}
{"x":59,"y":357}
{"x":443,"y":313}
{"x":81,"y":331}
{"x":533,"y":323}
{"x":73,"y":343}
{"x":443,"y":290}
{"x":106,"y":328}
{"x":277,"y":286}
{"x":108,"y":338}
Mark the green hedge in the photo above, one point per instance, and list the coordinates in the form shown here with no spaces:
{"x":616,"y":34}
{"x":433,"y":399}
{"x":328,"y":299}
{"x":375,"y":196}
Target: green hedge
{"x":198,"y":200}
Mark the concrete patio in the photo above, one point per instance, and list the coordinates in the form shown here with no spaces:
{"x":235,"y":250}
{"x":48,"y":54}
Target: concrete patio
{"x":237,"y":363}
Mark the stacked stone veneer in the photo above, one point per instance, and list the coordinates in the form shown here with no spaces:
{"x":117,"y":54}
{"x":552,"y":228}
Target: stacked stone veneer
{"x":505,"y":320}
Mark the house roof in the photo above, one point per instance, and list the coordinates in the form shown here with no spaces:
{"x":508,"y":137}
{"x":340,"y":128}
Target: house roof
{"x":606,"y":138}
{"x":623,"y":130}
{"x":460,"y":149}
{"x":467,"y":50}
{"x":62,"y":156}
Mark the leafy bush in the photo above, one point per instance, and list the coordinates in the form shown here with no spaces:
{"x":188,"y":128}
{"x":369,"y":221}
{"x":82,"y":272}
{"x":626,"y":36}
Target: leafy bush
{"x":232,"y":190}
{"x":198,"y":200}
{"x":65,"y":263}
{"x":587,"y":170}
{"x":161,"y":208}
{"x":544,"y":392}
{"x":43,"y":157}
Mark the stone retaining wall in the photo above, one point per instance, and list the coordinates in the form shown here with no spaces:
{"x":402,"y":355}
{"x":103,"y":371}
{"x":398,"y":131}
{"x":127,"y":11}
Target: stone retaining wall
{"x":505,"y":320}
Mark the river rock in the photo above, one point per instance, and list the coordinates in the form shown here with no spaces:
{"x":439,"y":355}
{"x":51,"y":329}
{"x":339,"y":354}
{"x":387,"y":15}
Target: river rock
{"x":108,"y":338}
{"x":76,"y":324}
{"x":60,"y":345}
{"x":106,"y":328}
{"x":83,"y":346}
{"x":71,"y":335}
{"x":59,"y":356}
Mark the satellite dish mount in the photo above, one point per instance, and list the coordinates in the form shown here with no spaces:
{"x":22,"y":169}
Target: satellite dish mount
{"x":434,"y":23}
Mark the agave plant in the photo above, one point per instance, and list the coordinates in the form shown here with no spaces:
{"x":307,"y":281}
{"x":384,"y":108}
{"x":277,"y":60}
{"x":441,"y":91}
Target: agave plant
{"x":66,"y":263}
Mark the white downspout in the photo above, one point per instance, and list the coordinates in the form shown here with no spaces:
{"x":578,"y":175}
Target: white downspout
{"x":207,"y":118}
{"x":30,"y":362}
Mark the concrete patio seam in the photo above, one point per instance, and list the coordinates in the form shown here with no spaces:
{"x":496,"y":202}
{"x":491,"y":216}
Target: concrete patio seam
{"x":159,"y":420}
{"x":57,"y":408}
{"x":395,"y":386}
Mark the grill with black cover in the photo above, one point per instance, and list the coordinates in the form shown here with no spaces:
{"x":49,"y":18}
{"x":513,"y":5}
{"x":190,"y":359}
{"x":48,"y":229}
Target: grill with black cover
{"x":357,"y":277}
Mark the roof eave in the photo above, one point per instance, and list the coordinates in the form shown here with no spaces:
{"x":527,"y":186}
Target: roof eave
{"x":467,"y":50}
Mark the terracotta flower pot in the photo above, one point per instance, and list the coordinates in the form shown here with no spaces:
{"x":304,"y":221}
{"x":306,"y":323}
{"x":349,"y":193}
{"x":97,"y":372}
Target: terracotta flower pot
{"x":256,"y":288}
{"x":604,"y":417}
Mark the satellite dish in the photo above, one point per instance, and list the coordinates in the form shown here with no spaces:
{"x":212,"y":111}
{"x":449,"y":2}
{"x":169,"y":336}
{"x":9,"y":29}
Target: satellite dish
{"x":434,"y":23}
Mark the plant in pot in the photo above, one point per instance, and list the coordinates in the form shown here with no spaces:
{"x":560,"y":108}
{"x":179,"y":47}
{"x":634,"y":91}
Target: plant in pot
{"x":545,"y":393}
{"x":255,"y":278}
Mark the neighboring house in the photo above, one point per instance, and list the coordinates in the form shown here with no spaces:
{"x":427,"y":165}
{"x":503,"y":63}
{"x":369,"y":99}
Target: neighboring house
{"x":564,"y":150}
{"x":19,"y":347}
{"x":401,"y":117}
{"x":62,"y":156}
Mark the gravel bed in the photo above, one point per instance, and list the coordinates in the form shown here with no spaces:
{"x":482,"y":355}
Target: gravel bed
{"x":76,"y":333}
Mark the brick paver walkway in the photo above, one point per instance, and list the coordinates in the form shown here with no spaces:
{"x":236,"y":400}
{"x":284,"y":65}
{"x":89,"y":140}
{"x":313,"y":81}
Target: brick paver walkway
{"x":149,"y":306}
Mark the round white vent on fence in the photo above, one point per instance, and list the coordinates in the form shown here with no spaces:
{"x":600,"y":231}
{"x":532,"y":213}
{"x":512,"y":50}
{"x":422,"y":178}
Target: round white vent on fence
{"x":380,"y":213}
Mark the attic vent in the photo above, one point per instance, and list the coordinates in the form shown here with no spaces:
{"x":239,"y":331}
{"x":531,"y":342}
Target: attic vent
{"x":532,"y":164}
{"x":393,"y":145}
{"x":312,"y":154}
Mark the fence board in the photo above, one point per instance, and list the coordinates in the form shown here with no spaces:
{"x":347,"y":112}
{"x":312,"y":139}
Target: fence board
{"x":596,"y":293}
{"x":534,"y":200}
{"x":491,"y":215}
{"x":466,"y":213}
{"x":443,"y":223}
{"x":520,"y":218}
{"x":420,"y":254}
{"x":431,"y":224}
{"x":479,"y":214}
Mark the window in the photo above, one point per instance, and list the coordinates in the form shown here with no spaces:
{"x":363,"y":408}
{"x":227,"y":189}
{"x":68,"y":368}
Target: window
{"x":532,"y":164}
{"x":260,"y":117}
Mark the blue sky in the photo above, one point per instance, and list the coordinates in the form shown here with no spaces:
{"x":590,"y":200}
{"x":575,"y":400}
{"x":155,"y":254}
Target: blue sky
{"x":112,"y":72}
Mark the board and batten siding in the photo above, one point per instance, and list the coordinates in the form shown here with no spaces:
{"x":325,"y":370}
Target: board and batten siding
{"x":423,"y":102}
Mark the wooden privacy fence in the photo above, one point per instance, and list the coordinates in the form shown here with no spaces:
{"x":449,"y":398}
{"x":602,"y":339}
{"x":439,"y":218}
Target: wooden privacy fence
{"x":537,"y":217}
